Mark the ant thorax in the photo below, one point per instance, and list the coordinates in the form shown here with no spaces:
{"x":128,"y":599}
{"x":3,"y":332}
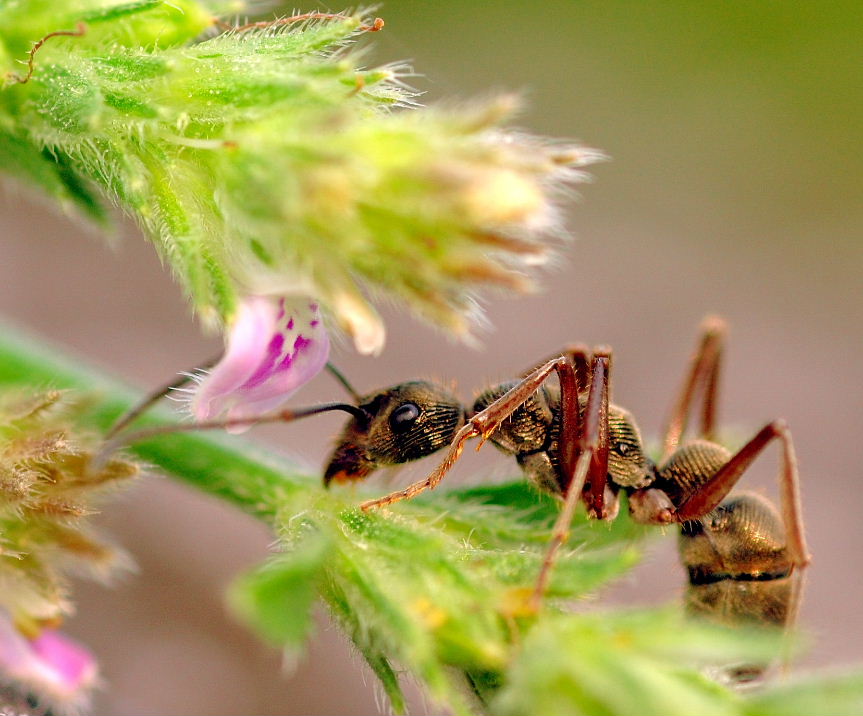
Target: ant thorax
{"x":530,"y":434}
{"x":532,"y":431}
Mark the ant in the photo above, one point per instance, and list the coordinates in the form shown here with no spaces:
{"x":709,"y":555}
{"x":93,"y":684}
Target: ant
{"x":572,"y":442}
{"x":744,"y":560}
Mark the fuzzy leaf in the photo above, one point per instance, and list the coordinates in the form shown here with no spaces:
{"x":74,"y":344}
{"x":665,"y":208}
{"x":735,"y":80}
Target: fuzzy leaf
{"x":267,"y":161}
{"x":615,"y":663}
{"x":827,"y":695}
{"x":276,"y":599}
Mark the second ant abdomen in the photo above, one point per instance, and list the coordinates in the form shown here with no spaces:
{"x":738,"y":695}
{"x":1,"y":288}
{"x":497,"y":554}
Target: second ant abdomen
{"x":738,"y":564}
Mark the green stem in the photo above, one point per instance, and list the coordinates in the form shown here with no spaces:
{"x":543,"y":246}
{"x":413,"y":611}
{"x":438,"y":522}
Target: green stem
{"x":221,"y":465}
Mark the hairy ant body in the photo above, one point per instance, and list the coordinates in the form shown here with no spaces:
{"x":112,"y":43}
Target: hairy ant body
{"x":743,"y":558}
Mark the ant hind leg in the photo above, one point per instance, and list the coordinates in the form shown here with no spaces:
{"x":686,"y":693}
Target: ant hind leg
{"x":702,"y":378}
{"x":588,"y":434}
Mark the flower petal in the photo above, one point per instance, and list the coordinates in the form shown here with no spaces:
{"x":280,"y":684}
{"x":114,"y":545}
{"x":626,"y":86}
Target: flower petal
{"x":55,"y":669}
{"x":361,"y":322}
{"x":246,"y":346}
{"x":274,"y":347}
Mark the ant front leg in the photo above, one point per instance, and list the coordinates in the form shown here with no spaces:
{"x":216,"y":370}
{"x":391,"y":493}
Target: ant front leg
{"x":588,"y":432}
{"x":702,"y":378}
{"x":712,"y":492}
{"x":484,"y":423}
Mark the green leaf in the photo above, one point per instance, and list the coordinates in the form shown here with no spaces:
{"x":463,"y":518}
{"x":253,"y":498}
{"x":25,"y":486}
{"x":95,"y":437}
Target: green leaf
{"x":276,"y":599}
{"x":260,"y":158}
{"x":827,"y":695}
{"x":50,"y":174}
{"x":608,"y":664}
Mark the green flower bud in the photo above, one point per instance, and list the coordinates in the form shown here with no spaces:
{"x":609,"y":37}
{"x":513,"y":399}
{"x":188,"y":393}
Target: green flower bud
{"x":265,"y":161}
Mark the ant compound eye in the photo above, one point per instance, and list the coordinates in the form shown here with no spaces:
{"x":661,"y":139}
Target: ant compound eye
{"x":403,"y":417}
{"x":622,"y":449}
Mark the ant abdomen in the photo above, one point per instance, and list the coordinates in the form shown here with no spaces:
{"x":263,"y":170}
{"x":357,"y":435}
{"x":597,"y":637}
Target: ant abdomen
{"x":738,"y":564}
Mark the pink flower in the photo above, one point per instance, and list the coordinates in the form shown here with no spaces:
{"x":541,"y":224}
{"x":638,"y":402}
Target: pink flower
{"x":274,"y":346}
{"x":57,"y":671}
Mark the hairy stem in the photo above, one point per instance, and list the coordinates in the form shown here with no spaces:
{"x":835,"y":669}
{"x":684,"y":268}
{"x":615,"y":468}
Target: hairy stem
{"x":223,"y":466}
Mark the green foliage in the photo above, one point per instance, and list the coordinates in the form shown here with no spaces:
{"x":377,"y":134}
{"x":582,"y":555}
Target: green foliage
{"x":619,"y":663}
{"x":440,"y":586}
{"x":437,"y":587}
{"x":276,"y":600}
{"x":836,"y":694}
{"x":268,"y":161}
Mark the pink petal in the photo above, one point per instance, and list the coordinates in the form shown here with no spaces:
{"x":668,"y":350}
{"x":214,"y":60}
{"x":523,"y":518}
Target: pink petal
{"x":55,"y":669}
{"x":246,"y":347}
{"x":71,"y":661}
{"x":275,"y":346}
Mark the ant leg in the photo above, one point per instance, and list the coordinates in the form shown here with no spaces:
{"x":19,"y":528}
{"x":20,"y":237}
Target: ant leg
{"x":592,"y":462}
{"x":717,"y":487}
{"x":596,"y":430}
{"x":560,"y":532}
{"x":703,"y":377}
{"x":579,"y":355}
{"x":484,"y":423}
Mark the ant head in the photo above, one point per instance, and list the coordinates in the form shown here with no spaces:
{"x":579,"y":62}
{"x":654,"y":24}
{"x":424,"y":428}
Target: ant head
{"x":399,"y":424}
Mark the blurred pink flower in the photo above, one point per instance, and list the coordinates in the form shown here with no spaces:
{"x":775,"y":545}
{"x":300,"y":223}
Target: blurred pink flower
{"x":274,"y":346}
{"x":57,"y":671}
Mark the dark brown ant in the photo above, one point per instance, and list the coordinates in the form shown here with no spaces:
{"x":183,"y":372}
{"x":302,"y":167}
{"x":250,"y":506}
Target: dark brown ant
{"x":573,"y":443}
{"x":744,"y":560}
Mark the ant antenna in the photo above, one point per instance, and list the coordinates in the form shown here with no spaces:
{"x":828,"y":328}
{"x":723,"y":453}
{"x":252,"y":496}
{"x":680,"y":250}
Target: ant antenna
{"x":157,"y":395}
{"x":151,"y":398}
{"x":339,"y":376}
{"x":281,"y":416}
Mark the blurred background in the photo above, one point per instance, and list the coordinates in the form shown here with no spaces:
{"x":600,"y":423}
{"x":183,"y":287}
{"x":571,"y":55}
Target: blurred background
{"x":735,"y":187}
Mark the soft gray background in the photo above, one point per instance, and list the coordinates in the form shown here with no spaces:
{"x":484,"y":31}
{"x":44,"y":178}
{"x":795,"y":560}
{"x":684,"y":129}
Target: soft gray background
{"x":735,"y":187}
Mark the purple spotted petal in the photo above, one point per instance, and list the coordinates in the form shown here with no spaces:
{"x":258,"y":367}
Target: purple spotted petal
{"x":55,"y":669}
{"x":275,"y":346}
